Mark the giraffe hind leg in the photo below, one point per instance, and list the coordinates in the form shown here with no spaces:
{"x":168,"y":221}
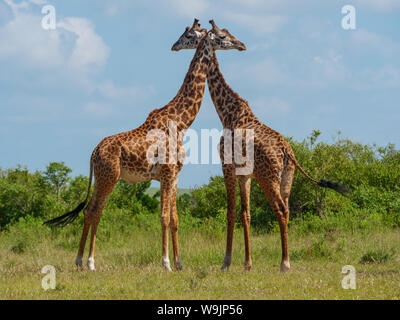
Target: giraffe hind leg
{"x":104,"y":184}
{"x":286,"y":184}
{"x":245,"y":185}
{"x":272,"y":190}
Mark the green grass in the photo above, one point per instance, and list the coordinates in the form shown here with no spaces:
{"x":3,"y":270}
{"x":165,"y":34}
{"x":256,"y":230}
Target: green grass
{"x":128,"y":263}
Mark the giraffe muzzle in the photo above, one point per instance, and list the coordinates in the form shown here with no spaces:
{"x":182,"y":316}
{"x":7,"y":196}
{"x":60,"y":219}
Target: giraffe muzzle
{"x":241,"y":46}
{"x":175,"y":47}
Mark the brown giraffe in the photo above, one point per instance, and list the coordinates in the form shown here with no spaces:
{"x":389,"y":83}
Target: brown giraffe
{"x":274,"y":160}
{"x":126,"y":155}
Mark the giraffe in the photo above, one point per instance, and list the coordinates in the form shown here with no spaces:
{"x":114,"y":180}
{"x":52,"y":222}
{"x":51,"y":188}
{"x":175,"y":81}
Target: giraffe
{"x":126,"y":155}
{"x":274,"y":160}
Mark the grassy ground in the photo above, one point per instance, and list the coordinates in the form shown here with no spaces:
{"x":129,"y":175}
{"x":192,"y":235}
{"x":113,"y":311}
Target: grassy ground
{"x":128,"y":262}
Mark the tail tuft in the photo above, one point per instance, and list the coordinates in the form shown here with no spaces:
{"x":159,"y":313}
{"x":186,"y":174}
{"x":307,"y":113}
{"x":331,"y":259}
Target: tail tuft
{"x":67,"y":218}
{"x":342,"y":189}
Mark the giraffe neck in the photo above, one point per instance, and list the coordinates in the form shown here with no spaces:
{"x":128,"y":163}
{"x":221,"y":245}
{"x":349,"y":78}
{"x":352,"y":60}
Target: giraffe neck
{"x":232,"y":110}
{"x":187,"y":102}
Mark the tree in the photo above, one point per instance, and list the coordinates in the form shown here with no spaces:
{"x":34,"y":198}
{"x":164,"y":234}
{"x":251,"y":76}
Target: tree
{"x":23,"y":194}
{"x":56,"y":175}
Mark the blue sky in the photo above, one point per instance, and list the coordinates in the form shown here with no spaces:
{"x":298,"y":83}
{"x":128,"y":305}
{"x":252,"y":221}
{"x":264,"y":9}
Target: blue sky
{"x":109,"y":63}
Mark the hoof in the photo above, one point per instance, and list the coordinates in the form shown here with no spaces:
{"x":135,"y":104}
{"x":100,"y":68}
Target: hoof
{"x":78,"y":263}
{"x":225,"y":267}
{"x":178,"y":264}
{"x":247,"y":266}
{"x":226,"y":264}
{"x":166,"y":264}
{"x":285,"y":266}
{"x":90,"y":264}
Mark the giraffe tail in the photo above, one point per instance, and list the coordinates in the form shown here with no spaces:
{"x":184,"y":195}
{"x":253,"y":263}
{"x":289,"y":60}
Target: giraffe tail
{"x":341,"y":188}
{"x":69,"y":217}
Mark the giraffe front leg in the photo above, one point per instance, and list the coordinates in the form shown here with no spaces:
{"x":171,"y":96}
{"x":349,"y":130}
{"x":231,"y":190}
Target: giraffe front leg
{"x":166,"y":190}
{"x":230,"y":184}
{"x":174,"y":227}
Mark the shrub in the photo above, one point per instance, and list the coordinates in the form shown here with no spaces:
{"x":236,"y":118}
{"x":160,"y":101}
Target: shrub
{"x":378,"y":256}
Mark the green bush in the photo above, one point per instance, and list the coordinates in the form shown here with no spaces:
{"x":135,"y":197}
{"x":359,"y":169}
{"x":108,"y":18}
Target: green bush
{"x":372,"y":173}
{"x":52,"y":192}
{"x":23,"y":194}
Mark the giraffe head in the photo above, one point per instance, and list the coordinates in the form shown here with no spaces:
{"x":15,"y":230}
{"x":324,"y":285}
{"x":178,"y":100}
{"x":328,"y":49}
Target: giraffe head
{"x":190,"y":38}
{"x":219,"y":39}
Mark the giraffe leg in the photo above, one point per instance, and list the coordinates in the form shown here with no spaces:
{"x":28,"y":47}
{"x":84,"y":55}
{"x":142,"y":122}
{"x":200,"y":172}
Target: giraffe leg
{"x":85,"y":231}
{"x":174,"y":227}
{"x":272,"y":191}
{"x":230,"y":185}
{"x":90,"y":261}
{"x":245,"y":185}
{"x":166,"y":187}
{"x":94,"y":215}
{"x":286,"y":185}
{"x":104,"y":185}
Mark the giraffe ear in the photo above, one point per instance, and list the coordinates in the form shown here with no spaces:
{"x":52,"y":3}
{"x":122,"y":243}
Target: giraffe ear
{"x":213,"y":24}
{"x":196,"y":24}
{"x":211,"y":35}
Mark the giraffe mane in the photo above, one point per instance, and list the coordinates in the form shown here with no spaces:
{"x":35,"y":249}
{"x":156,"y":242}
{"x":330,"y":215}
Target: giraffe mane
{"x":155,"y":112}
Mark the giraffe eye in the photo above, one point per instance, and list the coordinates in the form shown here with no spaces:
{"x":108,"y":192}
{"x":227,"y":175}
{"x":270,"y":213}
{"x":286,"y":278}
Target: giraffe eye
{"x":222,"y":37}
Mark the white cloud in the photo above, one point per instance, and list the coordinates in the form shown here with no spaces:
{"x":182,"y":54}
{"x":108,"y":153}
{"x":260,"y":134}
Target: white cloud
{"x":29,"y":43}
{"x":73,"y":44}
{"x":66,"y":59}
{"x":90,"y":48}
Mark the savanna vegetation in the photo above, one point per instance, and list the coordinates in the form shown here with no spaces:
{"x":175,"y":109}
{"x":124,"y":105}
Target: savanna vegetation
{"x":326,"y":232}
